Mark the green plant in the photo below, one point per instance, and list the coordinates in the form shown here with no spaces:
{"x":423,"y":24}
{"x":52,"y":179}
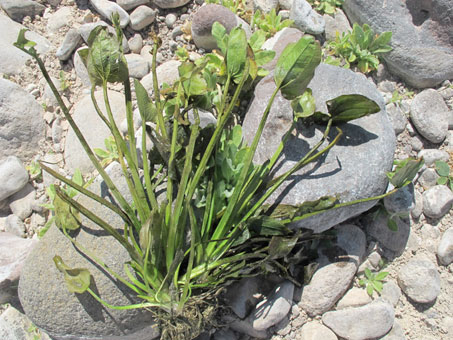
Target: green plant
{"x":110,"y":153}
{"x":64,"y":83}
{"x":326,"y":6}
{"x":270,"y":22}
{"x":398,"y":96}
{"x":184,"y":248}
{"x":373,"y":282}
{"x":360,"y":47}
{"x":182,"y":54}
{"x":34,"y":169}
{"x":443,"y":170}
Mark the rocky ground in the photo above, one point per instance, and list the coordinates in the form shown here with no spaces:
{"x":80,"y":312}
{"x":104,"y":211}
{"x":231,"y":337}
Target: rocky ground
{"x":418,"y":291}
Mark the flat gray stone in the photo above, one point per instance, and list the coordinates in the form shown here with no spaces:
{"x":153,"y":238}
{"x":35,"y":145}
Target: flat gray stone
{"x":396,"y":333}
{"x":18,"y":9}
{"x":437,"y":201}
{"x":397,"y":117}
{"x":338,"y":22}
{"x":64,"y":315}
{"x":420,"y":280}
{"x":429,"y":114}
{"x":422,"y":52}
{"x":428,"y":178}
{"x":170,"y":3}
{"x":430,"y":156}
{"x":21,"y":203}
{"x":80,"y":68}
{"x":265,"y":6}
{"x":445,"y":248}
{"x":92,"y":127}
{"x":131,"y":4}
{"x":70,"y":43}
{"x":137,"y":65}
{"x":59,"y":19}
{"x":166,"y":73}
{"x":244,"y":326}
{"x":142,"y":17}
{"x":136,"y":43}
{"x":355,"y":297}
{"x":13,"y":176}
{"x":367,"y":322}
{"x":337,"y":267}
{"x":402,"y":201}
{"x":16,"y":326}
{"x":106,"y":8}
{"x":355,"y":168}
{"x":391,"y":293}
{"x":316,"y":331}
{"x":15,"y":226}
{"x":306,"y":18}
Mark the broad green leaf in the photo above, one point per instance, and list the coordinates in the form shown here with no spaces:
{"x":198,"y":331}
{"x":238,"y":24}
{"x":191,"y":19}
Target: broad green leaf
{"x":220,"y":35}
{"x":195,"y":85}
{"x":257,"y":40}
{"x":359,"y":34}
{"x":349,"y":107}
{"x":369,"y":289}
{"x":24,"y":43}
{"x":236,"y":135}
{"x":77,"y":177}
{"x":304,"y":105}
{"x":77,"y":279}
{"x":236,"y":53}
{"x":392,"y":225}
{"x":65,"y":217}
{"x":442,"y":180}
{"x":263,"y":57}
{"x":405,"y":172}
{"x":101,"y":153}
{"x":281,"y":246}
{"x":368,"y":273}
{"x":442,"y":168}
{"x":381,"y":276}
{"x":381,"y":42}
{"x":377,"y":286}
{"x":146,"y":107}
{"x":296,"y":66}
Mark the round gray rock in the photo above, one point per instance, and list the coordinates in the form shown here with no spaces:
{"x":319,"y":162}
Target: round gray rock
{"x":367,"y":322}
{"x":354,"y":168}
{"x":142,"y":17}
{"x":64,"y":315}
{"x":21,"y":123}
{"x":13,"y":176}
{"x":429,"y":113}
{"x":170,"y":3}
{"x":306,"y":18}
{"x":445,"y":248}
{"x":107,"y":8}
{"x":420,"y":280}
{"x":437,"y":201}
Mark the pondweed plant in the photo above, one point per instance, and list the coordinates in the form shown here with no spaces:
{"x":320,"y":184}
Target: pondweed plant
{"x":360,"y":47}
{"x":213,"y":226}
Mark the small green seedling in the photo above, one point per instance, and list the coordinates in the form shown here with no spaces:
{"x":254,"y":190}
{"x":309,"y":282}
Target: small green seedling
{"x":443,"y":170}
{"x":270,"y":22}
{"x":34,"y":169}
{"x":399,"y":96}
{"x":326,"y":6}
{"x":373,"y":282}
{"x":182,"y":54}
{"x":110,"y":153}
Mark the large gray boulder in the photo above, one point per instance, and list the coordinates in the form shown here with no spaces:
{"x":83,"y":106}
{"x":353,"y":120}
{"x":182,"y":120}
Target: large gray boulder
{"x":18,"y":9}
{"x":355,"y":168}
{"x":21,"y":124}
{"x":422,"y":39}
{"x":64,"y":315}
{"x":11,"y":58}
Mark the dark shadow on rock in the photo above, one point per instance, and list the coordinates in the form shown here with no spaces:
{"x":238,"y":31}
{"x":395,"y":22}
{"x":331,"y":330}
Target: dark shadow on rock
{"x":419,"y":10}
{"x":354,"y":135}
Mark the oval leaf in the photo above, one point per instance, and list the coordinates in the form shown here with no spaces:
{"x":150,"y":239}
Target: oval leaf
{"x":236,"y":53}
{"x":77,"y":279}
{"x":349,"y":107}
{"x":304,"y":106}
{"x":296,"y":66}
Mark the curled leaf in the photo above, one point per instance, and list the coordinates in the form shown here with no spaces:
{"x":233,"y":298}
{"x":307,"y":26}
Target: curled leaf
{"x":77,"y":279}
{"x":349,"y":107}
{"x":304,"y":106}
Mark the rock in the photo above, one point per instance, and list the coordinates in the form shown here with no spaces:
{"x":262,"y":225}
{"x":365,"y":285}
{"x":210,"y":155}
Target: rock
{"x":420,"y":280}
{"x":142,"y":17}
{"x":394,"y":241}
{"x":243,"y":295}
{"x":21,"y":203}
{"x":244,"y":326}
{"x":86,"y":29}
{"x":315,"y":331}
{"x":429,"y":115}
{"x":430,"y":156}
{"x":338,"y":22}
{"x":106,"y":8}
{"x":147,"y":53}
{"x":16,"y":326}
{"x":305,"y":18}
{"x":265,"y":6}
{"x":428,"y":178}
{"x":337,"y":267}
{"x":70,"y":43}
{"x":18,"y":9}
{"x":355,"y":297}
{"x":368,"y":322}
{"x":11,"y":58}
{"x":445,"y":248}
{"x":437,"y":201}
{"x":224,"y":334}
{"x":418,"y":209}
{"x":81,"y":69}
{"x":13,"y":176}
{"x":92,"y":127}
{"x":273,"y":308}
{"x":170,"y":20}
{"x":131,"y":4}
{"x":354,"y":168}
{"x":46,"y":299}
{"x":137,"y":65}
{"x":397,"y":118}
{"x":422,"y":52}
{"x":59,"y":19}
{"x":166,"y":73}
{"x":135,"y":43}
{"x":170,"y":3}
{"x":278,"y":43}
{"x":396,"y":333}
{"x":402,"y":201}
{"x":13,"y":251}
{"x":15,"y":226}
{"x":205,"y":17}
{"x":285,"y":4}
{"x":391,"y":293}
